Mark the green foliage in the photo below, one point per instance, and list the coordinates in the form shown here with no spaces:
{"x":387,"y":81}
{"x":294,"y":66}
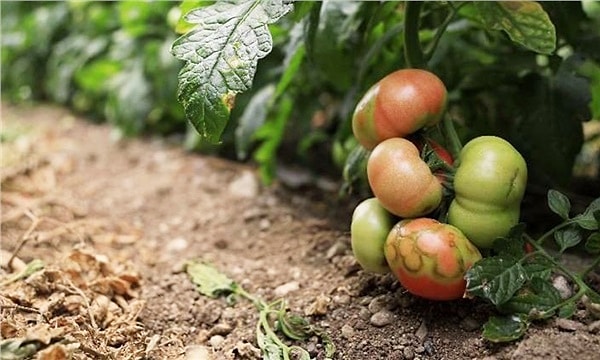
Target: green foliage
{"x":519,"y":283}
{"x":110,"y":60}
{"x":510,"y":70}
{"x":211,"y":282}
{"x":526,"y":71}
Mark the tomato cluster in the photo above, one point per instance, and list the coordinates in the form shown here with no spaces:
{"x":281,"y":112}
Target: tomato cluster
{"x":396,"y":230}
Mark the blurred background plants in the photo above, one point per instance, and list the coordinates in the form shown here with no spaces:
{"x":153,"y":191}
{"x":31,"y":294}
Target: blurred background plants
{"x":112,"y":62}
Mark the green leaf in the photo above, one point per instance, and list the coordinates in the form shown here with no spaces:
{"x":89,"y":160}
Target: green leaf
{"x":330,"y":47}
{"x":129,"y":98}
{"x":32,"y":267}
{"x":567,"y":310}
{"x":525,"y":22}
{"x":592,"y":244}
{"x":293,"y":326}
{"x":588,"y":219}
{"x":271,"y":133}
{"x":559,"y":204}
{"x":208,"y":280}
{"x":18,"y":348}
{"x":221,"y":55}
{"x":549,"y":133}
{"x":186,"y":6}
{"x":568,"y":237}
{"x":495,"y":279}
{"x":294,"y":57}
{"x":252,"y":119}
{"x":538,"y":266}
{"x":534,"y":299}
{"x":513,"y":245}
{"x":355,"y":168}
{"x":270,"y":349}
{"x":505,"y":328}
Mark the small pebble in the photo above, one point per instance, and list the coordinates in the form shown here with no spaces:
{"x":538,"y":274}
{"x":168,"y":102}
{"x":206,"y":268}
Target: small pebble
{"x":177,"y":244}
{"x":568,"y":325}
{"x":594,"y":327}
{"x":408,"y":353}
{"x":197,"y":352}
{"x":469,"y":324}
{"x":364,"y":313}
{"x":245,"y":186}
{"x":379,"y":303}
{"x":216,"y":341}
{"x":337,"y":249}
{"x":382,"y":318}
{"x":422,"y":331}
{"x":341,"y":299}
{"x":347,"y":331}
{"x":220,"y":329}
{"x":283,"y":290}
{"x":561,"y":284}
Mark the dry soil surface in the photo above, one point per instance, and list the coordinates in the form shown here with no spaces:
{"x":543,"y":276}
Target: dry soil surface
{"x":114,"y":222}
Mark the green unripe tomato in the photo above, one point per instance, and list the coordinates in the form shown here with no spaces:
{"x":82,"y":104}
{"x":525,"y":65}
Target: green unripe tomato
{"x":483,"y":227}
{"x":430,"y":258}
{"x":491,"y":172}
{"x":489,"y":184}
{"x":399,"y":104}
{"x":370,"y":226}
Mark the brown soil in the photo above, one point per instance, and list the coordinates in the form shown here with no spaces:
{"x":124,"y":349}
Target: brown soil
{"x":114,"y":222}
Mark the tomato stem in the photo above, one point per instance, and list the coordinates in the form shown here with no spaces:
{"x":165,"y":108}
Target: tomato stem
{"x":451,"y":136}
{"x":413,"y":53}
{"x":442,"y":29}
{"x":577,"y":279}
{"x":550,"y":232}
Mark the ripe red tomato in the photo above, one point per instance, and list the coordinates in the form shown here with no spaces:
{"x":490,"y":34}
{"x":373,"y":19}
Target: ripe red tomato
{"x":401,"y":180}
{"x":430,"y":258}
{"x":398,"y":105}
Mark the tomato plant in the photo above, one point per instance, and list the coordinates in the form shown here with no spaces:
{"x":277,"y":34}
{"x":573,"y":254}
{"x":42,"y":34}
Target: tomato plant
{"x":369,"y":229}
{"x":430,"y":258}
{"x":400,"y":104}
{"x":401,"y":180}
{"x":489,"y":185}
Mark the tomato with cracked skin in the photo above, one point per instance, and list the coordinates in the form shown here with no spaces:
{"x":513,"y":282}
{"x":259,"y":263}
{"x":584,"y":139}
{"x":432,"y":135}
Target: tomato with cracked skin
{"x":430,"y":258}
{"x":489,"y":184}
{"x":399,"y":104}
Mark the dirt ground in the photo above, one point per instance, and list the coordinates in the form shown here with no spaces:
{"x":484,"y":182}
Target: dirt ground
{"x":114,"y":222}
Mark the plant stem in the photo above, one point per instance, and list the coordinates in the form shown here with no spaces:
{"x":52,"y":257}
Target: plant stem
{"x":542,"y":238}
{"x":591,"y":267}
{"x":413,"y":54}
{"x":442,"y":29}
{"x":577,"y":279}
{"x":451,"y":136}
{"x":264,"y":323}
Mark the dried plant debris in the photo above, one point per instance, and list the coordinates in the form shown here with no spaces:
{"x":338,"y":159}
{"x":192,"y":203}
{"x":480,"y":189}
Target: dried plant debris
{"x":56,"y":311}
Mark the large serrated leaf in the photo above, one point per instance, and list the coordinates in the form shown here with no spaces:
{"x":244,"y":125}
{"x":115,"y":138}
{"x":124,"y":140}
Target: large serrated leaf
{"x":525,"y":22}
{"x":496,"y":279}
{"x":221,"y":54}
